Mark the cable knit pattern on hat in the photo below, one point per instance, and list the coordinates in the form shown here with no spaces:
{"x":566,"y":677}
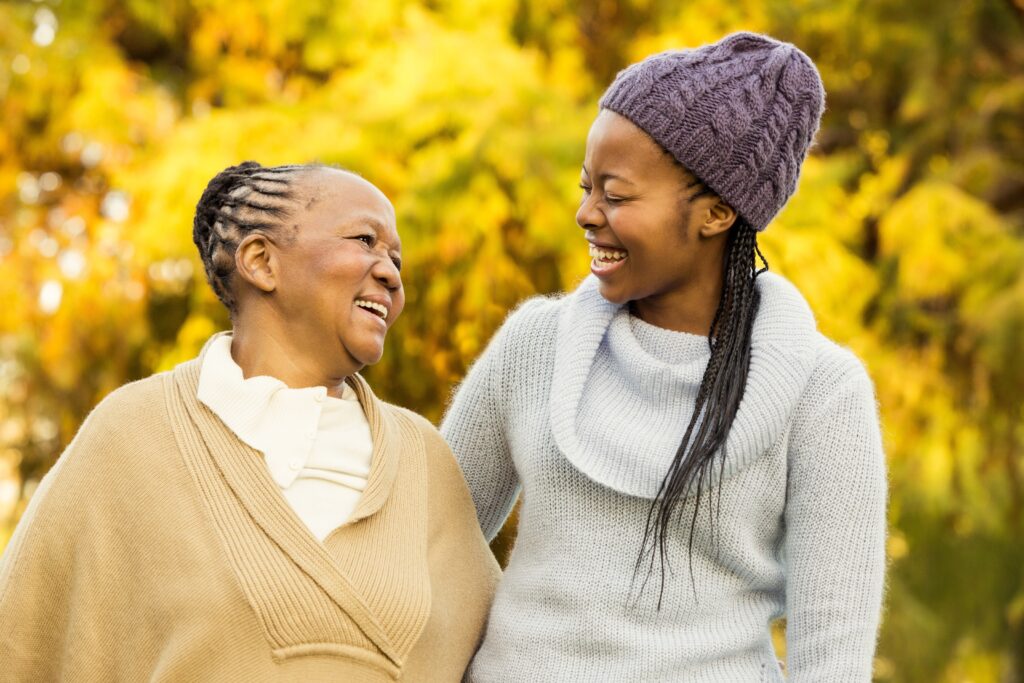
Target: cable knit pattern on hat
{"x":582,"y":406}
{"x":740,"y":114}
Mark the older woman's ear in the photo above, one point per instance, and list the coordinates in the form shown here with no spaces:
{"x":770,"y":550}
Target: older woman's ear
{"x":255,"y":262}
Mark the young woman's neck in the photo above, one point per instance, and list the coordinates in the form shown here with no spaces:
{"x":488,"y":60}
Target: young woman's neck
{"x":690,"y":310}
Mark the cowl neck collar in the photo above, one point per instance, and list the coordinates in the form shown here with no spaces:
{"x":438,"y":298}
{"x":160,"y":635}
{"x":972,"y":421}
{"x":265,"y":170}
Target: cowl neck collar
{"x":781,"y":361}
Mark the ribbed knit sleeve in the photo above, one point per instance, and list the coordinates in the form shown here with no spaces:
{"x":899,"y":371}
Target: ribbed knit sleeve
{"x":48,"y":571}
{"x":476,"y":424}
{"x":35,"y":582}
{"x":835,"y":526}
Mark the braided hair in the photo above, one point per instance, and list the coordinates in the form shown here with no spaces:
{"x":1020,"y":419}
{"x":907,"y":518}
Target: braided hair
{"x":238,"y":201}
{"x":718,"y":398}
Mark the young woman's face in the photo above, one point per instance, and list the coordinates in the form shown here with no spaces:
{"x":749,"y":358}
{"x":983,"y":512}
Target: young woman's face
{"x":646,"y":239}
{"x":339,"y":287}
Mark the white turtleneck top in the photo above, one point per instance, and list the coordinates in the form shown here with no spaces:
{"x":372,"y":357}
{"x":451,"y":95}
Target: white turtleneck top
{"x":582,"y":407}
{"x":317,"y":448}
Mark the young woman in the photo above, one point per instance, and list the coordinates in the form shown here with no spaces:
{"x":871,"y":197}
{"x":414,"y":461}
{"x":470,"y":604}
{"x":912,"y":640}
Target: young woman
{"x":696,"y":459}
{"x":257,"y":514}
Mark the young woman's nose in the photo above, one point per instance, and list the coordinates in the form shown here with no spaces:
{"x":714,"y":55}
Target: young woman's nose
{"x":588,"y":216}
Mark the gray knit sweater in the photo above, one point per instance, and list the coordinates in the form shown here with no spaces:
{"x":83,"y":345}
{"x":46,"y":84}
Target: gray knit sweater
{"x":582,"y":406}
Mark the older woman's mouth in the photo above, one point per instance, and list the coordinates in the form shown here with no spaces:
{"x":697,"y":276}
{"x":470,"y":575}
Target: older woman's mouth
{"x":378,"y":309}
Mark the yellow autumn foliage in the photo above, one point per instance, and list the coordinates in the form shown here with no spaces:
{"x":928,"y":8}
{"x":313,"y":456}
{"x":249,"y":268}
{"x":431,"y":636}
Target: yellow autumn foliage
{"x":906,"y":234}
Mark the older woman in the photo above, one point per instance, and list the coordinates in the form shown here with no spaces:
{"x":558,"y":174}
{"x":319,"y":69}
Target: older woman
{"x":257,"y":513}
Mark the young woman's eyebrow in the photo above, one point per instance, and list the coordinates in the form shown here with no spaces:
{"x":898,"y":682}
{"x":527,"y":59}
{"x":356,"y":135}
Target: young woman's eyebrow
{"x":607,"y":175}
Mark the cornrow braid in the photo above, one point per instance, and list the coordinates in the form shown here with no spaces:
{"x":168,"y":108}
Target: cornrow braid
{"x":238,"y":201}
{"x":718,"y":400}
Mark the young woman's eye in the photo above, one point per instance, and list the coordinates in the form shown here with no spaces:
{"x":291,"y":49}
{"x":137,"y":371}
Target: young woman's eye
{"x":585,"y":188}
{"x":614,"y":198}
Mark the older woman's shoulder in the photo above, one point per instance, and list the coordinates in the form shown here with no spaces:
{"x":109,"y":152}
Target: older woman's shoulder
{"x":131,"y":407}
{"x":117,"y":444}
{"x":447,"y":485}
{"x":419,"y":427}
{"x":129,"y":421}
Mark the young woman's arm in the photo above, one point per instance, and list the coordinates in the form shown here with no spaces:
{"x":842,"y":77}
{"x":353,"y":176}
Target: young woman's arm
{"x":475,"y":428}
{"x":835,"y":530}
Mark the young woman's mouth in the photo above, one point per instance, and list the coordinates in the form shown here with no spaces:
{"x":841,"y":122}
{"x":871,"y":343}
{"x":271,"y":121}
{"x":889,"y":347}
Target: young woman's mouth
{"x":605,"y":260}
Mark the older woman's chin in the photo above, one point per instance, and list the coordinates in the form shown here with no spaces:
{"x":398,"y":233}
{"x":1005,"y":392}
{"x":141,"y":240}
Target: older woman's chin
{"x":369,"y":355}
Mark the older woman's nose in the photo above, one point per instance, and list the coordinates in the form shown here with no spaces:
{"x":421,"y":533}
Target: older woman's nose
{"x":386,"y":272}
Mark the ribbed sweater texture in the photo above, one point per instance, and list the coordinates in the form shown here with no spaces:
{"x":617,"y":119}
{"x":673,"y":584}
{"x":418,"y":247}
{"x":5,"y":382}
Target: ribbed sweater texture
{"x":159,"y":548}
{"x":581,"y":407}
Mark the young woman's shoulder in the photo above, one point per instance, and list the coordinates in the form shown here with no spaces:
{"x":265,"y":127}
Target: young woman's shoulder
{"x":837,"y":372}
{"x":529,"y":329}
{"x":836,"y":363}
{"x":536,"y":315}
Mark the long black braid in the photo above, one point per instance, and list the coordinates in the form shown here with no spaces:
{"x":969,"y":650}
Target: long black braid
{"x":239,"y":200}
{"x":718,"y":399}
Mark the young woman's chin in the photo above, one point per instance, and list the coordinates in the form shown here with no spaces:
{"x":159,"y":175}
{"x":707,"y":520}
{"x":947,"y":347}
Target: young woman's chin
{"x":615,"y":293}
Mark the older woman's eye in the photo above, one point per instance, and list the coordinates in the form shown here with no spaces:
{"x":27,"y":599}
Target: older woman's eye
{"x":368,"y":240}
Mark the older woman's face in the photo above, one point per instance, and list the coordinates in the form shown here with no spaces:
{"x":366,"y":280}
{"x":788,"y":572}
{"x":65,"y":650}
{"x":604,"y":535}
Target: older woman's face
{"x":339,"y":287}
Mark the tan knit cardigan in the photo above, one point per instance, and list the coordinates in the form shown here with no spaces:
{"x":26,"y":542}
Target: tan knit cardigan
{"x":158,"y":548}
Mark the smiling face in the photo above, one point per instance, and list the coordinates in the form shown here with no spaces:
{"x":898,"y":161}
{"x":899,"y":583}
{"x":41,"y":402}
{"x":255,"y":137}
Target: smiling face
{"x":337,"y":285}
{"x":652,"y":242}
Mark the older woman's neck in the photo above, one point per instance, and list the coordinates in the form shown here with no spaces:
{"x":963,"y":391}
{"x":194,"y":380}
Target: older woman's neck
{"x":275,"y":353}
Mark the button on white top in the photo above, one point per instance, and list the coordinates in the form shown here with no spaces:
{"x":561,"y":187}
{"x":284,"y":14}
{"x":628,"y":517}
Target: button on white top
{"x":295,"y":464}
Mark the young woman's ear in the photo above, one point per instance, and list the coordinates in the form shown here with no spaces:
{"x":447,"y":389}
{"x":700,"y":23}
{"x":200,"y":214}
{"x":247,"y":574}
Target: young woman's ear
{"x":719,"y":218}
{"x":255,"y":262}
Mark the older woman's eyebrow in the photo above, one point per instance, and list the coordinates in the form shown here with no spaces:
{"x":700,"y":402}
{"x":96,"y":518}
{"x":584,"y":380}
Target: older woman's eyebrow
{"x":366,"y":222}
{"x":394,"y":250}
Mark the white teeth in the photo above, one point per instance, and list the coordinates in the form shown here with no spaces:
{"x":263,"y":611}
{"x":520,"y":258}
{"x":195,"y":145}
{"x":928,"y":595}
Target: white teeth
{"x":606,"y":254}
{"x":373,"y":307}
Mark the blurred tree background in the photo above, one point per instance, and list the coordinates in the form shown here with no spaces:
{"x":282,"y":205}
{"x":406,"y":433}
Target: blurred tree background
{"x":907,"y":233}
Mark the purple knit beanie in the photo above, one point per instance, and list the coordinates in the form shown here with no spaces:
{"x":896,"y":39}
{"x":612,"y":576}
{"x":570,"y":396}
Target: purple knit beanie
{"x":740,"y":114}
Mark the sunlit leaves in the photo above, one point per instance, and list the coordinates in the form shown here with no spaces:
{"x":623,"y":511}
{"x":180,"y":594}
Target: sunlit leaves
{"x":906,"y":234}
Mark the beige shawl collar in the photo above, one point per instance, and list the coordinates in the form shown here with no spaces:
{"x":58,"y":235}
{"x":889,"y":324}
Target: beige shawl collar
{"x":213,"y":452}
